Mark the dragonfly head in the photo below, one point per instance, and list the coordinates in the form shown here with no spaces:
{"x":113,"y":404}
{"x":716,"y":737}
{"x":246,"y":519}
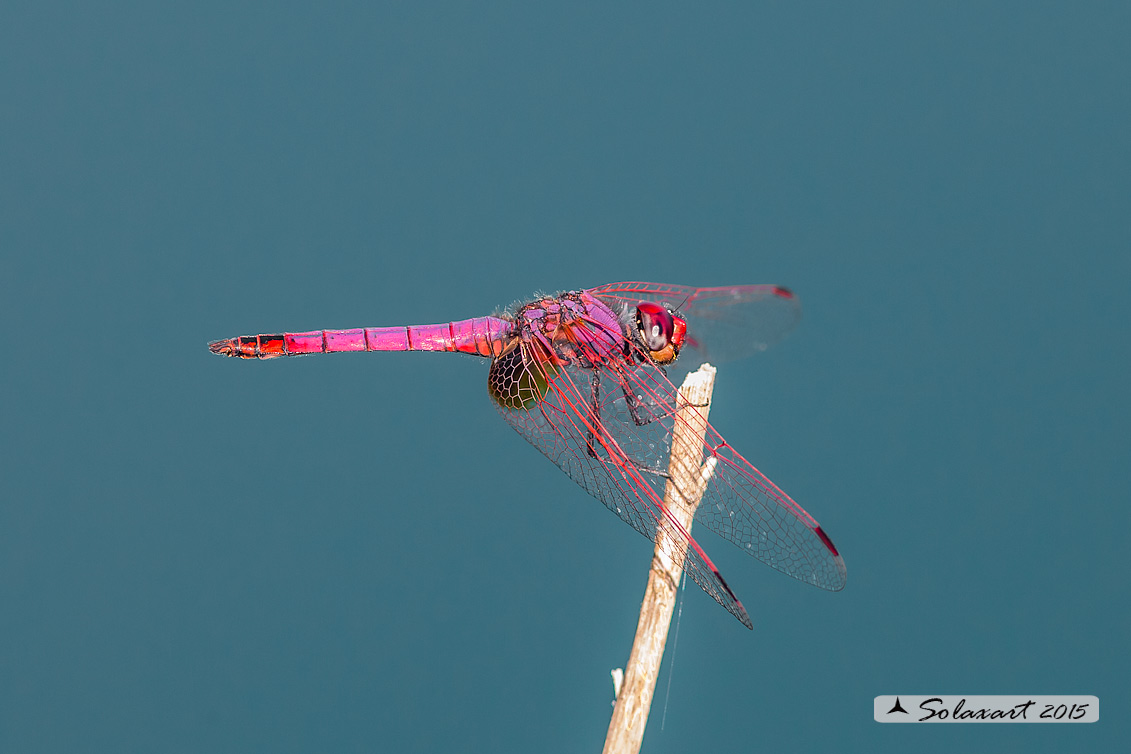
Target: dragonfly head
{"x":662,"y":331}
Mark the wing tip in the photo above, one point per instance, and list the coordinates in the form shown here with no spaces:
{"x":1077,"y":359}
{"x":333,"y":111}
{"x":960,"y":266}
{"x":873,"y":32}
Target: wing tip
{"x":734,"y":607}
{"x":825,"y":539}
{"x":743,"y":617}
{"x":841,"y":571}
{"x":842,"y":576}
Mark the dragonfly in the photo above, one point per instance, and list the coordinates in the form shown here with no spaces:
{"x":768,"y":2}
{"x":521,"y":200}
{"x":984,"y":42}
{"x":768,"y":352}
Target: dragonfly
{"x":585,"y":376}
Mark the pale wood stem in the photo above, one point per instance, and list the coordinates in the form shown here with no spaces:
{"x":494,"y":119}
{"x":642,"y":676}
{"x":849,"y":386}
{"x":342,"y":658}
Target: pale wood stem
{"x":687,"y":478}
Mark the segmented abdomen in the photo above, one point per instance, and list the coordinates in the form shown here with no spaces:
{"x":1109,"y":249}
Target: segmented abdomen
{"x":482,"y":336}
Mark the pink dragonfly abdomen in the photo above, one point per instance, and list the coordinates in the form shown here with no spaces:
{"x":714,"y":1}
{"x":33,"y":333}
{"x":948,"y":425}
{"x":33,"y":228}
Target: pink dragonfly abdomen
{"x":482,"y":336}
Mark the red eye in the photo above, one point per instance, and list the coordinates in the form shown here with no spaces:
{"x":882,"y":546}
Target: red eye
{"x":657,"y":326}
{"x":680,"y":333}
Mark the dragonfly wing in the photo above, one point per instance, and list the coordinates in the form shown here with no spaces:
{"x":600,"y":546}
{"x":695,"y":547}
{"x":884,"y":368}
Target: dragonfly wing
{"x":740,"y":503}
{"x":591,"y":441}
{"x":743,"y":506}
{"x":723,"y":324}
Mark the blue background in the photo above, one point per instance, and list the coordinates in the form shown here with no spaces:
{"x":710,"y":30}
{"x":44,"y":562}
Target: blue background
{"x":355,"y":554}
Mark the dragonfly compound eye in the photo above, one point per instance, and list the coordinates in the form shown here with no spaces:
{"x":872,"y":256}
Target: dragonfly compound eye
{"x":661,"y":331}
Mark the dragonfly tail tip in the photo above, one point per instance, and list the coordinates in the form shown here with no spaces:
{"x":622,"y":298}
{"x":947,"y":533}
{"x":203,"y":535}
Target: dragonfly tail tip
{"x":222,"y":347}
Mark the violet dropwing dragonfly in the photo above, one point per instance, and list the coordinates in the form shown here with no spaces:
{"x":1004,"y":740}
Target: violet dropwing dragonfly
{"x":583,"y":376}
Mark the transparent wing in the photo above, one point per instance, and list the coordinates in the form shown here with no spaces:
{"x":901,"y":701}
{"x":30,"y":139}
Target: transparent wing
{"x":581,"y":424}
{"x":723,"y":324}
{"x":611,"y":429}
{"x":740,"y":503}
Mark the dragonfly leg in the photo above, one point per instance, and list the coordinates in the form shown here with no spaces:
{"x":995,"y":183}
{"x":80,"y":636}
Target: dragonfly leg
{"x":590,"y":438}
{"x":635,"y":407}
{"x":654,"y":472}
{"x":633,"y":404}
{"x":595,"y":413}
{"x":595,"y":407}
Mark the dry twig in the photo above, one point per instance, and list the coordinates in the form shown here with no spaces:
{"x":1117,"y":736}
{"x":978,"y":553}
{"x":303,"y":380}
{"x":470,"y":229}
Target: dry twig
{"x":685,"y":472}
